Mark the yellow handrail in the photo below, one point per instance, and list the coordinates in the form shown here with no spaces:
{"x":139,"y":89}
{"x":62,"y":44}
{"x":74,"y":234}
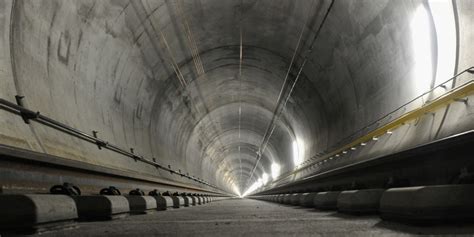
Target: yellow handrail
{"x":444,"y":100}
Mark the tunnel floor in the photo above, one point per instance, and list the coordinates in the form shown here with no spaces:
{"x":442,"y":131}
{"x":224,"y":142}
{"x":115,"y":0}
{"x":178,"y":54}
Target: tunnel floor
{"x":247,"y":217}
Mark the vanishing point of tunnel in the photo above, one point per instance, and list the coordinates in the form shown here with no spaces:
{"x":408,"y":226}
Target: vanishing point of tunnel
{"x":300,"y":117}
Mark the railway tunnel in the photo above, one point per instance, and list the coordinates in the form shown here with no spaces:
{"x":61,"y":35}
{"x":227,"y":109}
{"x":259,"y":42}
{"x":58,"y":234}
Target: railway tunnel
{"x":250,"y":103}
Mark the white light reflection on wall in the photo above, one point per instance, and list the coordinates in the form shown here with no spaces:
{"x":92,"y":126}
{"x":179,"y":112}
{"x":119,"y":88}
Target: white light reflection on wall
{"x":421,"y":45}
{"x":275,"y":169}
{"x":298,"y":152}
{"x":443,"y":17}
{"x":264,"y":178}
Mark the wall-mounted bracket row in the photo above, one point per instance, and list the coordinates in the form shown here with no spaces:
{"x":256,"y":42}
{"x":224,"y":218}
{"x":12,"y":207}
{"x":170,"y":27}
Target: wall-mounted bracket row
{"x":27,"y":115}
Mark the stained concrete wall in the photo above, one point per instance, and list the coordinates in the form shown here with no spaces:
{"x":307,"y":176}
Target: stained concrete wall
{"x":106,"y":66}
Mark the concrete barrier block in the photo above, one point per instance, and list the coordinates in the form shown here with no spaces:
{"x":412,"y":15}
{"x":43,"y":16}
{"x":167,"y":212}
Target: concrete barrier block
{"x":287,"y":199}
{"x":307,"y":199}
{"x":428,"y":204}
{"x":163,"y":202}
{"x":280,"y":198}
{"x":141,"y":204}
{"x":36,"y":212}
{"x":192,"y":200}
{"x":360,"y":201}
{"x":203,"y":201}
{"x":101,"y":207}
{"x":275,"y":198}
{"x":178,"y":201}
{"x":326,"y":200}
{"x":199,"y":200}
{"x":186,"y":200}
{"x":295,"y":199}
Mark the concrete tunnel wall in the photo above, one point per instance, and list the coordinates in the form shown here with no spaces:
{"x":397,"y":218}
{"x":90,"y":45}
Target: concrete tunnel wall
{"x":104,"y":65}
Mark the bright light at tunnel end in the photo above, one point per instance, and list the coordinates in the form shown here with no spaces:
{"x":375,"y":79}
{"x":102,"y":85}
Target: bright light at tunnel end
{"x":298,"y":157}
{"x":275,"y":172}
{"x":253,"y":187}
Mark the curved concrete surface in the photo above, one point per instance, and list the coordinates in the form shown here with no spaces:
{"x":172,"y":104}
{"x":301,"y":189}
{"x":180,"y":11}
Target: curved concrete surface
{"x":428,"y":204}
{"x":167,"y":79}
{"x":32,"y":210}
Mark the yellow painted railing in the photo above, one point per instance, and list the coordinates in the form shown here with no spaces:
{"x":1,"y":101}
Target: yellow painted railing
{"x":443,"y":100}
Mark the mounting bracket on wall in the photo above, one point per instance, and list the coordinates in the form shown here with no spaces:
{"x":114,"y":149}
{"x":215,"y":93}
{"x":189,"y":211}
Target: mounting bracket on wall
{"x":99,"y":143}
{"x":471,"y":70}
{"x":26,"y":115}
{"x":465,"y":100}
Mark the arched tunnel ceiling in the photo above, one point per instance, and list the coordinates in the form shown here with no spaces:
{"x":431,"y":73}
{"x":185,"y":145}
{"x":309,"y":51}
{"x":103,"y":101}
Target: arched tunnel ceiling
{"x":230,"y":106}
{"x":196,"y":83}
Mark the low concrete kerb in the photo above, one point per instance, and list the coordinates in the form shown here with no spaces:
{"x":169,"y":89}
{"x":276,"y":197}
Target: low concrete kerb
{"x":326,"y":200}
{"x":428,"y":204}
{"x":100,"y":207}
{"x":32,"y":213}
{"x":365,"y":201}
{"x":141,"y":204}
